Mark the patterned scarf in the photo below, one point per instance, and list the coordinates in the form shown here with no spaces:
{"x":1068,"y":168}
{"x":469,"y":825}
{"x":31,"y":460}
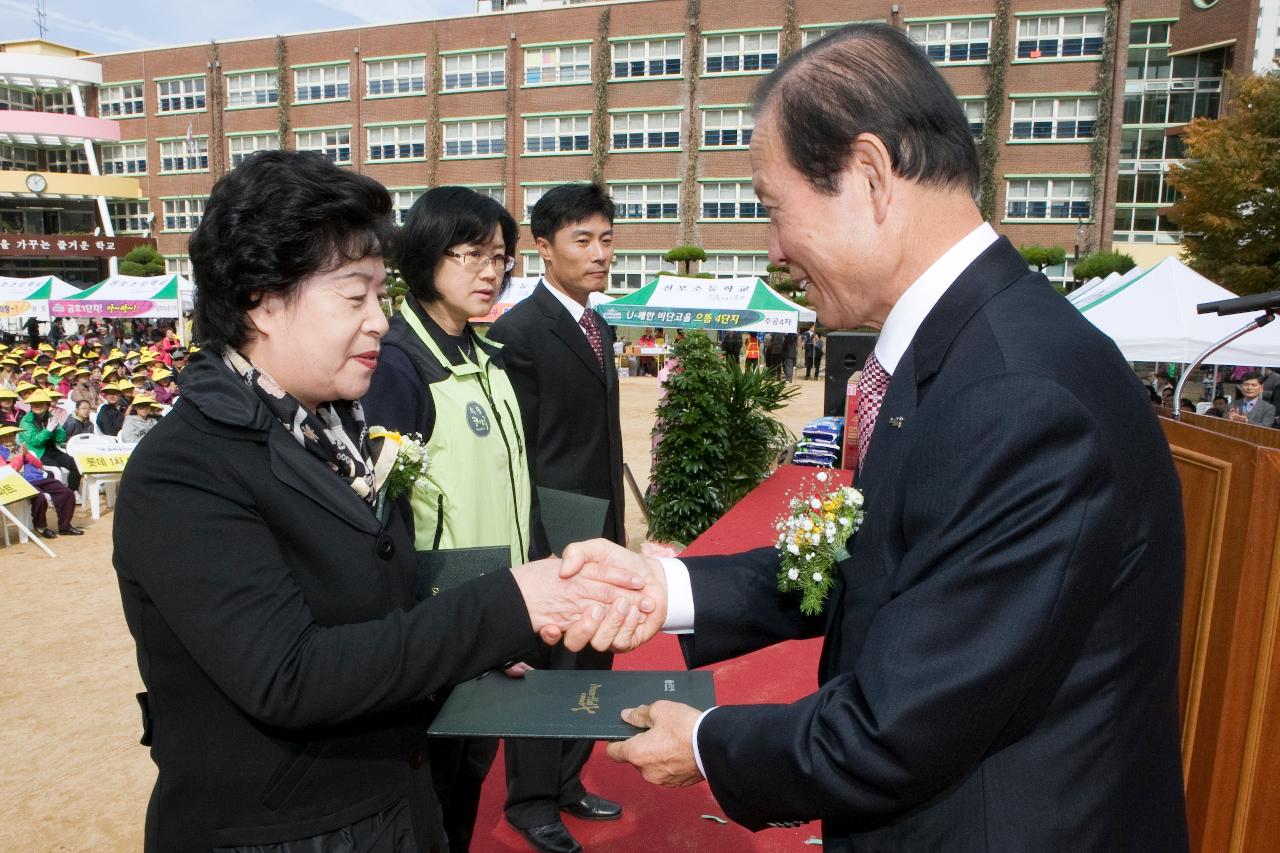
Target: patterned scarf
{"x":336,"y":433}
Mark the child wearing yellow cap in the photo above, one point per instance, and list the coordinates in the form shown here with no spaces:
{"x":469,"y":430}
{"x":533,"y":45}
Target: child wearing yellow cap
{"x":49,"y":490}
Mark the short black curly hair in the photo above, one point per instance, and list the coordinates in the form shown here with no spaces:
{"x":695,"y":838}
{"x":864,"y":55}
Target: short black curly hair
{"x":275,"y":219}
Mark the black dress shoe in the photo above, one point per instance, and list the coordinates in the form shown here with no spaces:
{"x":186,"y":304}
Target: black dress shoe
{"x":48,"y":533}
{"x":71,"y":531}
{"x":591,"y":807}
{"x":550,"y":838}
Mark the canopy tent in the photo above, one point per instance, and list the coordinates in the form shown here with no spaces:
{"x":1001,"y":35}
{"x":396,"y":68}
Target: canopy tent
{"x":29,"y":297}
{"x":522,"y":288}
{"x":740,"y":304}
{"x":1099,"y":287}
{"x":150,"y":297}
{"x":1152,"y":317}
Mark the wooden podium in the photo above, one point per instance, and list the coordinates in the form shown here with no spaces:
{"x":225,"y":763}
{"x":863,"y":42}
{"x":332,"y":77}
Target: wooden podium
{"x":1228,"y":686}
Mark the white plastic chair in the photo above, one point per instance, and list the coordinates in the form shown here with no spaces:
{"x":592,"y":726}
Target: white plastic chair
{"x":1201,"y":408}
{"x":94,"y":488}
{"x":21,"y":509}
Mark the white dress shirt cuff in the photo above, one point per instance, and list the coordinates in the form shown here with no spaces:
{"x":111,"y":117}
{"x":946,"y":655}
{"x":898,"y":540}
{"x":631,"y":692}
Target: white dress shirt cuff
{"x":697,"y":756}
{"x":679,"y":597}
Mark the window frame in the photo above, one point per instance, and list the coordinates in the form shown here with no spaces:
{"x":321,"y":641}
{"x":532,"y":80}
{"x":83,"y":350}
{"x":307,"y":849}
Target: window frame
{"x":270,"y":92}
{"x":458,"y":55}
{"x":1054,"y":120}
{"x":322,"y":67}
{"x":140,"y":97}
{"x":142,"y":214}
{"x":738,"y":202}
{"x":558,"y":135}
{"x":762,"y":65}
{"x":618,"y":188}
{"x":419,"y":77}
{"x":104,"y":157}
{"x":1059,"y":54}
{"x":950,"y":41}
{"x":559,"y":64}
{"x":337,"y":145}
{"x":647,"y":61}
{"x":744,"y":111}
{"x":475,"y":139}
{"x":201,"y":96}
{"x":200,"y":154}
{"x":185,"y":215}
{"x":1050,"y":198}
{"x":646,"y":134}
{"x":417,"y":148}
{"x":249,"y":134}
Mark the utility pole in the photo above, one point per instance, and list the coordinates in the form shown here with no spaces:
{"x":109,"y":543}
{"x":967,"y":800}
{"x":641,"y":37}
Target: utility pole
{"x":42,"y":19}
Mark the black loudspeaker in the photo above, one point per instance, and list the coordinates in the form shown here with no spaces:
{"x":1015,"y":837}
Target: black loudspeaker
{"x":846,"y":352}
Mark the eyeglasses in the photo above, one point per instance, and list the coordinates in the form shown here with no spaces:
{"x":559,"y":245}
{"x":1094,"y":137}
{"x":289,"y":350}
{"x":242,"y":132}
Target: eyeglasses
{"x":475,"y":260}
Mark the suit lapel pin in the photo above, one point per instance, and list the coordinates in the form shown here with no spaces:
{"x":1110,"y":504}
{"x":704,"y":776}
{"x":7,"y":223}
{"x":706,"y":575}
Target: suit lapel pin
{"x":895,"y":422}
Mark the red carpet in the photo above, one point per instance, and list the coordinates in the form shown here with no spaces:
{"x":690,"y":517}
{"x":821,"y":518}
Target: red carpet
{"x":657,"y":820}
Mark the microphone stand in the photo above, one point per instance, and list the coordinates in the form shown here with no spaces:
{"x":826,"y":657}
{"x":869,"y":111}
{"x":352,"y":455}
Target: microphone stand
{"x":1256,"y":323}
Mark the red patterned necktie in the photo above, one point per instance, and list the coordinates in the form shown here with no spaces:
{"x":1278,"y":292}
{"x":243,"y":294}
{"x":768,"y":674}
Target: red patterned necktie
{"x":588,"y":324}
{"x":871,"y":390}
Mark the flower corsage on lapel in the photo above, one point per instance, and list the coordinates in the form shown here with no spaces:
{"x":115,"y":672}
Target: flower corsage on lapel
{"x":401,"y":463}
{"x":811,"y":539}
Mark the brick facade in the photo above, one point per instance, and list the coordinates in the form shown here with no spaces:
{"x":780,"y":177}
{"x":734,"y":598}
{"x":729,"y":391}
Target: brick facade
{"x":514,"y":31}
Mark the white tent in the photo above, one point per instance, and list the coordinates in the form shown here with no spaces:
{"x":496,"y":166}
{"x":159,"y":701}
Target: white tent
{"x":522,"y":288}
{"x":1152,"y":317}
{"x":29,"y":297}
{"x":744,"y":304}
{"x":1098,"y":287}
{"x":125,"y":296}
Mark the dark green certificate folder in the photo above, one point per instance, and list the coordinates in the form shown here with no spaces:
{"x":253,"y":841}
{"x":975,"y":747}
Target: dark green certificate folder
{"x":451,"y":567}
{"x":574,"y":704}
{"x":570,"y":517}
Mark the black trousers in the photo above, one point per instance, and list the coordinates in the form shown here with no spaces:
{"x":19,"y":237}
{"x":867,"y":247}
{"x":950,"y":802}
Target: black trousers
{"x":458,"y":769}
{"x":63,"y":499}
{"x":543,"y":775}
{"x":54,"y":456}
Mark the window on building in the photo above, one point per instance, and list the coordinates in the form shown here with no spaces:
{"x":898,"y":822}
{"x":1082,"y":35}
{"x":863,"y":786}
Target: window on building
{"x":403,"y":199}
{"x":182,"y":155}
{"x":253,"y":89}
{"x":17,"y":99}
{"x":727,"y":128}
{"x":633,"y":270}
{"x":127,"y":158}
{"x":728,"y":265}
{"x":497,"y":192}
{"x":58,"y":102}
{"x":1160,"y":89}
{"x":240,"y":147}
{"x":975,"y":113}
{"x":533,"y":265}
{"x":1061,"y":36}
{"x":1148,"y":33}
{"x":646,"y":201}
{"x":1063,"y":274}
{"x":69,"y":160}
{"x":485,"y":70}
{"x":1048,"y":198}
{"x":812,"y":34}
{"x":475,"y":138}
{"x":557,"y":64}
{"x":183,"y":214}
{"x":19,"y":158}
{"x":395,"y":77}
{"x":741,"y":52}
{"x":1054,"y":118}
{"x":176,"y":96}
{"x":122,"y":100}
{"x":130,"y":217}
{"x":398,"y":142}
{"x":953,"y":41}
{"x":179,"y":265}
{"x":652,"y":58}
{"x":731,"y":200}
{"x":640,"y":131}
{"x":322,"y":83}
{"x":1138,"y":224}
{"x":551,"y":134}
{"x":334,"y":144}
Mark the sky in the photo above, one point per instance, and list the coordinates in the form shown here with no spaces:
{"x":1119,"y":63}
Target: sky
{"x":103,"y":26}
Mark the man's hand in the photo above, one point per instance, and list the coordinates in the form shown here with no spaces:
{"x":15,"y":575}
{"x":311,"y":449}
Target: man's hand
{"x":663,"y":754}
{"x":601,"y":555}
{"x":599,"y":599}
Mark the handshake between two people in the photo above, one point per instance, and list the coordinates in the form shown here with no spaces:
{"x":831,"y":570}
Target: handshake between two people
{"x":597,"y":594}
{"x":607,"y":597}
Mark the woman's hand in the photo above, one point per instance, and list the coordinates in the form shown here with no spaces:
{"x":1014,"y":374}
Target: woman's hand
{"x":574,"y":609}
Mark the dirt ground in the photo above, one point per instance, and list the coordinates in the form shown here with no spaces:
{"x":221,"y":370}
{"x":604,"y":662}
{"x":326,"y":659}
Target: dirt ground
{"x":72,"y":775}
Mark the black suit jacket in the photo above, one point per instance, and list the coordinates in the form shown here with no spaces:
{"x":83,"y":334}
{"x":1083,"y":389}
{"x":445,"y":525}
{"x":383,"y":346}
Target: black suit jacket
{"x":288,"y":666}
{"x":568,"y":403}
{"x":1001,"y":651}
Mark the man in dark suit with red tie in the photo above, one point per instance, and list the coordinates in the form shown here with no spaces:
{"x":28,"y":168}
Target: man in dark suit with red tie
{"x":1001,"y":648}
{"x":559,"y":356}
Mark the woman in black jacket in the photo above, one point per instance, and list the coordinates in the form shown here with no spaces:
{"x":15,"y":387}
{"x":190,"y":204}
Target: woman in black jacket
{"x":289,"y":669}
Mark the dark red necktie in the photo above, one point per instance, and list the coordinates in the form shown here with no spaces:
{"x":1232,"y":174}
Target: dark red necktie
{"x":588,"y":324}
{"x":871,"y":390}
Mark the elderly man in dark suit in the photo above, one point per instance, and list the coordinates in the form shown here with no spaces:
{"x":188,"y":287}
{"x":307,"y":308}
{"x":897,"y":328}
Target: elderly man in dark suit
{"x":559,"y":356}
{"x":1001,"y":648}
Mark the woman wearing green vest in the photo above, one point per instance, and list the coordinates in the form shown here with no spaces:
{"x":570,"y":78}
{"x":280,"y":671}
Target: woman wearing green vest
{"x":438,"y":377}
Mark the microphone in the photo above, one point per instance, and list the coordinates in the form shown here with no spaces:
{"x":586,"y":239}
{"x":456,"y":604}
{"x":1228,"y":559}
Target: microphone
{"x":1257,"y":302}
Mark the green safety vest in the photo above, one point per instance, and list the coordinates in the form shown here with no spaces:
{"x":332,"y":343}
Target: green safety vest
{"x":478,"y":490}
